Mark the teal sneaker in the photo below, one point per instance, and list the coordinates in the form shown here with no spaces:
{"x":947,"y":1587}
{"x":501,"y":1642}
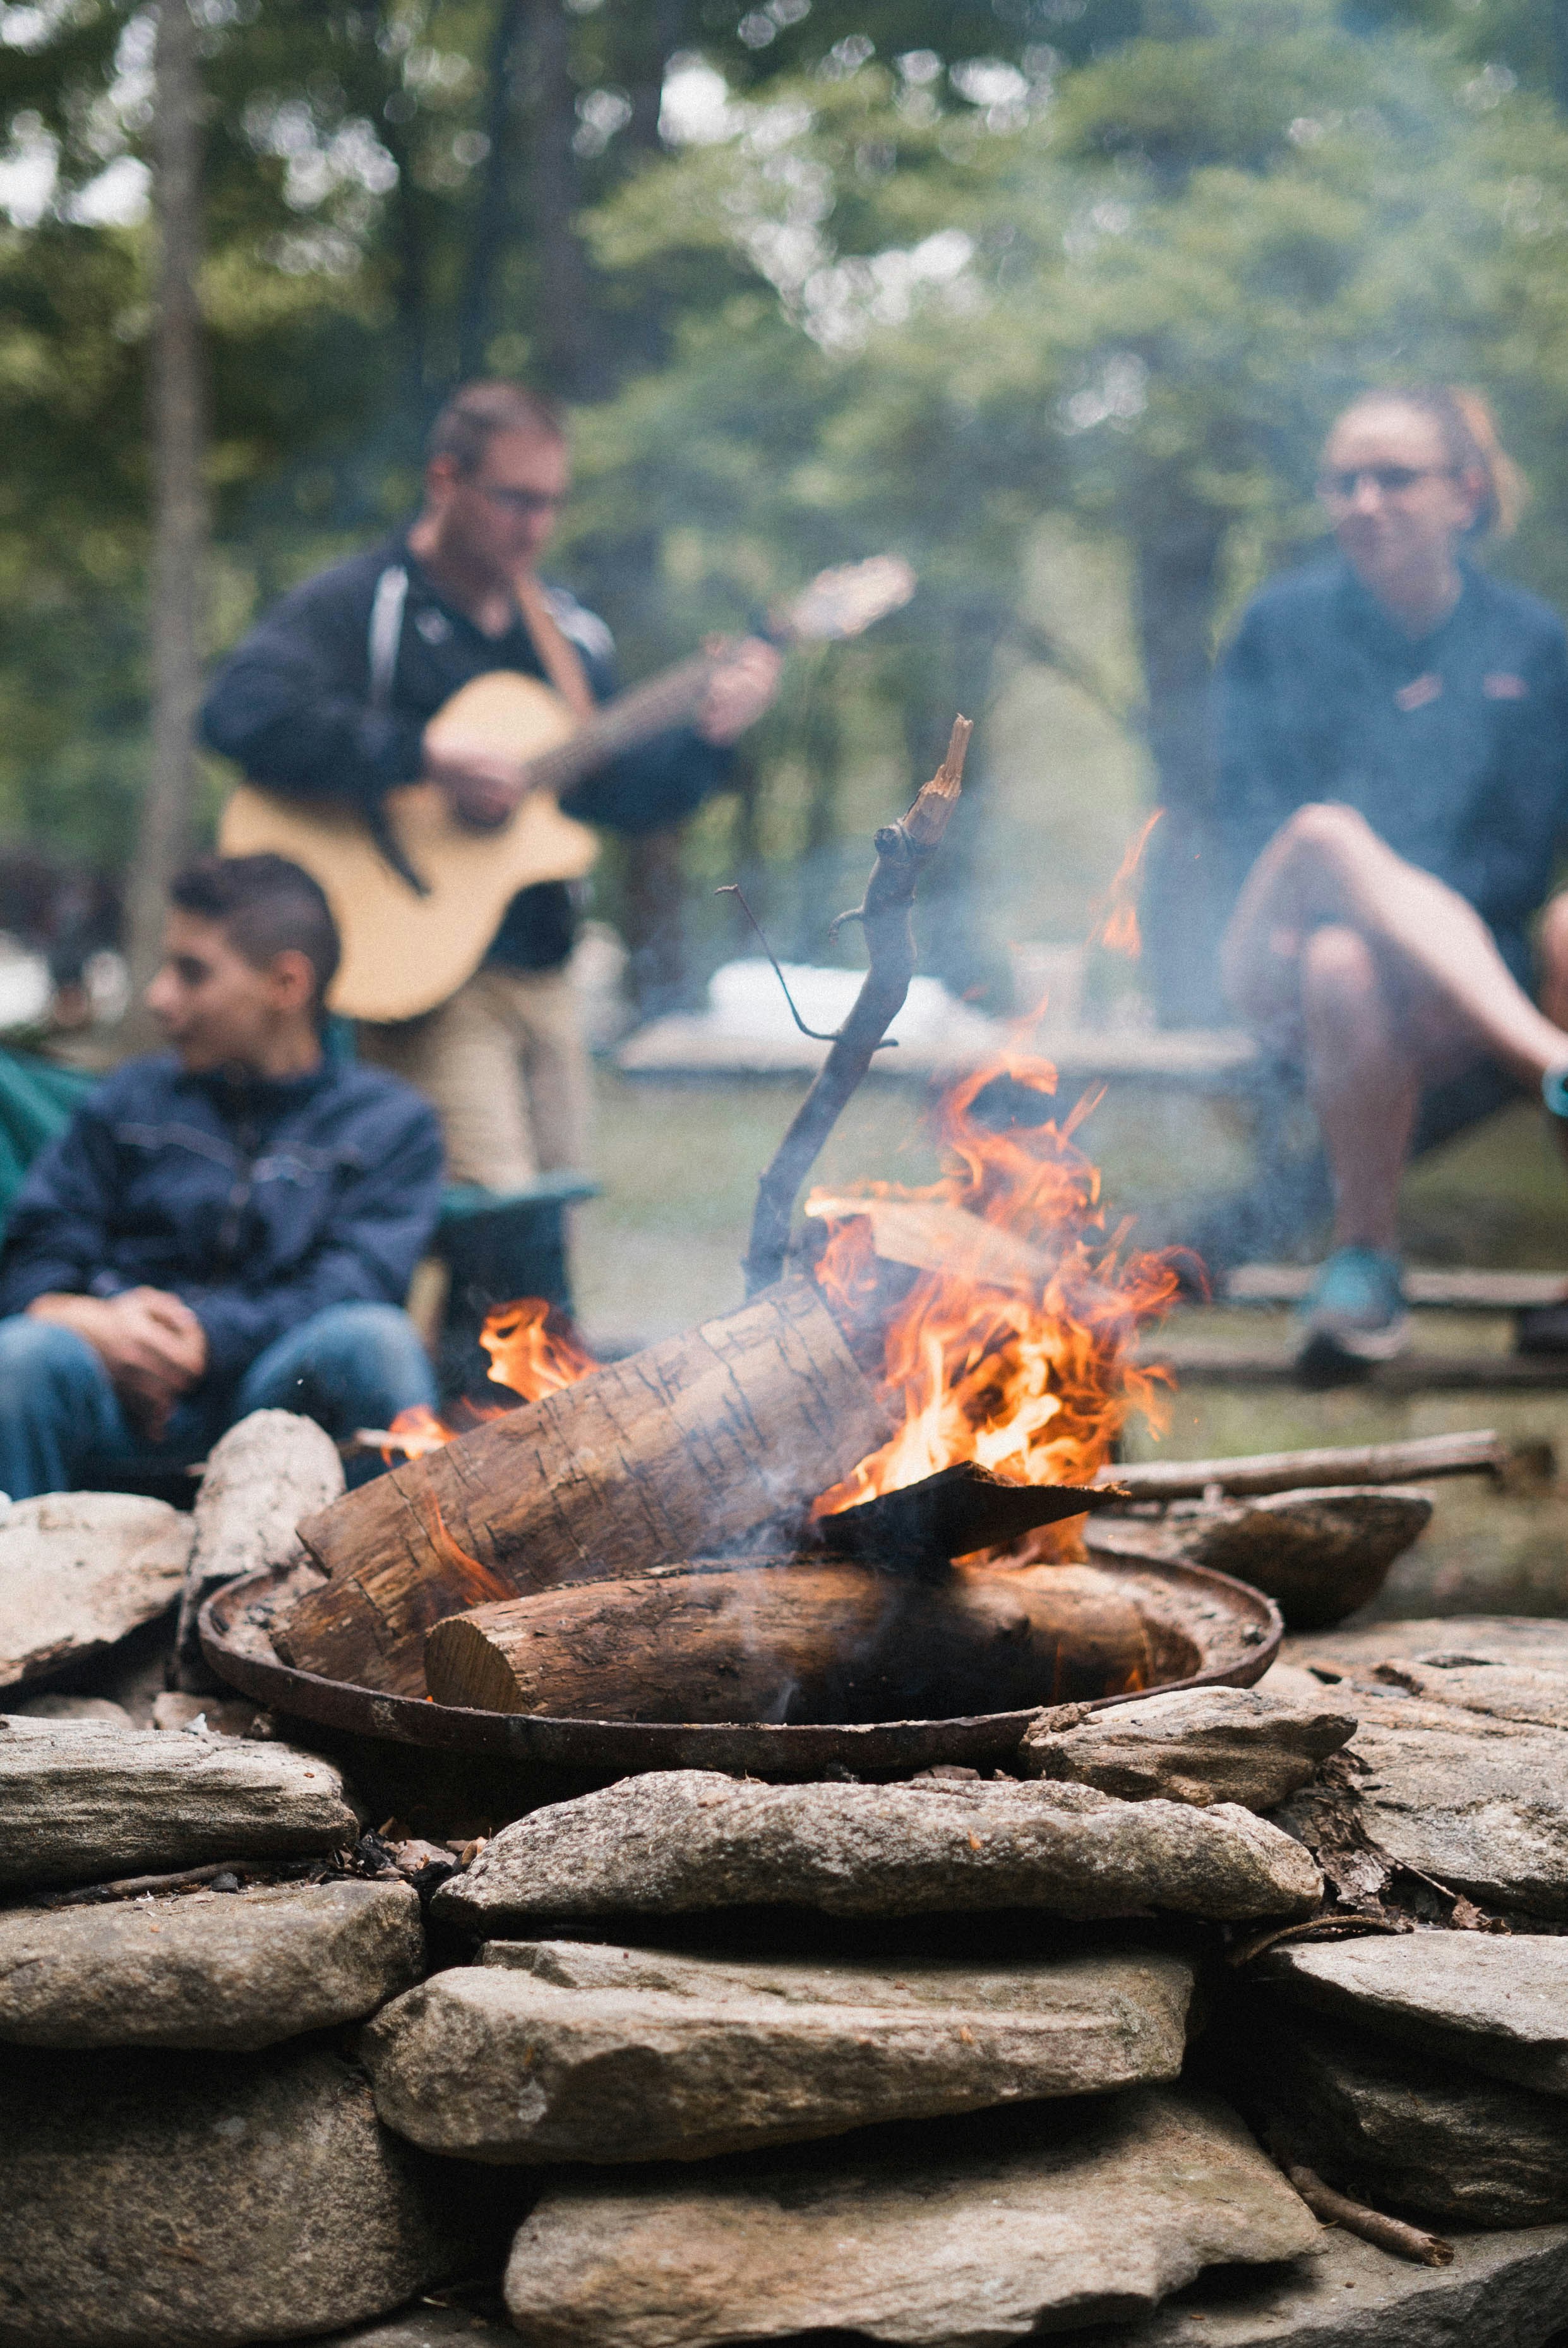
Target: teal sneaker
{"x":1352,"y":1317}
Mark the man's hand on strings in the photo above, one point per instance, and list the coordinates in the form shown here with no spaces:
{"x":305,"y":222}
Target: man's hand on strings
{"x":149,"y":1340}
{"x":482,"y":786}
{"x":739,"y":690}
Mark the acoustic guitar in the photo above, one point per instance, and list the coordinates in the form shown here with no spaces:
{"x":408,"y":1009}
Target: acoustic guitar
{"x":412,"y":936}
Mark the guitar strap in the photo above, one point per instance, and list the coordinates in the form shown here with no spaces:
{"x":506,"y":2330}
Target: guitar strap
{"x":387,"y":634}
{"x":558,"y":656}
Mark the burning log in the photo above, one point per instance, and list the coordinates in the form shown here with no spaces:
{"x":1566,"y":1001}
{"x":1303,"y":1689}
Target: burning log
{"x":678,"y":1450}
{"x":954,"y":1513}
{"x":787,"y":1639}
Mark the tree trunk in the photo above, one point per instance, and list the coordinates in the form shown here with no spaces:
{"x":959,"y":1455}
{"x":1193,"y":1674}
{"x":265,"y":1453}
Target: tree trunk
{"x":654,"y":904}
{"x":1177,"y":550}
{"x":565,"y":314}
{"x":180,"y":517}
{"x":678,"y":1450}
{"x":492,"y":212}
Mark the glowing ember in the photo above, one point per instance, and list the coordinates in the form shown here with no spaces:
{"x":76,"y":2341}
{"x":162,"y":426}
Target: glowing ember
{"x":531,"y":1350}
{"x":1033,"y":1379}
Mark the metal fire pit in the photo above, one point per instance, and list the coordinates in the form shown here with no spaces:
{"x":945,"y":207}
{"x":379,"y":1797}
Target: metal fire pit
{"x":1232,"y":1632}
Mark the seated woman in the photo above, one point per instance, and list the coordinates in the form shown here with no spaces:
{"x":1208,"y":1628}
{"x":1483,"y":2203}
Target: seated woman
{"x":1393,"y":780}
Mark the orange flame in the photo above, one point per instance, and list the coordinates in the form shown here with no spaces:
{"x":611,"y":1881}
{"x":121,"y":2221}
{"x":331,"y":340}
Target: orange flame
{"x":1117,"y":930}
{"x":1034,"y":1379}
{"x":531,"y":1350}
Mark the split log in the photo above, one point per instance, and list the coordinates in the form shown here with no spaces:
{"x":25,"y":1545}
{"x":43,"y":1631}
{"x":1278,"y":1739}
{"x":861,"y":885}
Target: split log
{"x":269,"y":1470}
{"x":796,"y":1639}
{"x":954,"y":1513}
{"x":682,"y":1449}
{"x":1472,"y":1454}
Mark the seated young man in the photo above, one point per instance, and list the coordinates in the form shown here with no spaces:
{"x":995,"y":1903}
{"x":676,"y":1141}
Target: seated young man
{"x":223,"y":1228}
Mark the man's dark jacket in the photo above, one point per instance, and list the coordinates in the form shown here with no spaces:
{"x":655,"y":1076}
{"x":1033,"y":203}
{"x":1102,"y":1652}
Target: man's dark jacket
{"x":292,"y":707}
{"x":260,"y":1203}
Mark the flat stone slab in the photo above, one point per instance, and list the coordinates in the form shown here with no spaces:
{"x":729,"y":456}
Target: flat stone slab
{"x":78,"y":1571}
{"x":1497,"y":2003}
{"x":160,"y":2200}
{"x":1478,"y":1802}
{"x":558,"y":2050}
{"x":1389,"y":2126}
{"x":211,"y":1969}
{"x":1503,"y":2290}
{"x":429,"y":2327}
{"x":82,"y":1801}
{"x":966,"y":2234}
{"x":1191,"y":1744}
{"x":1501,"y":1638}
{"x":692,"y":1839}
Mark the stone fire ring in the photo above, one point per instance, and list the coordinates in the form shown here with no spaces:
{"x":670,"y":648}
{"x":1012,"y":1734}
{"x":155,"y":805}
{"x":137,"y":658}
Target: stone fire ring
{"x":1235,"y":1628}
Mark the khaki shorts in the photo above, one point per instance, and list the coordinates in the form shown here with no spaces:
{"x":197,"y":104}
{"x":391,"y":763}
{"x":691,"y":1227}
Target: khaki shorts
{"x":503,"y":1065}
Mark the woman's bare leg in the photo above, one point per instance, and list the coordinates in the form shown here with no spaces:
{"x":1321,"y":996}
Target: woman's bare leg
{"x":1327,"y":865}
{"x":1364,"y":1081}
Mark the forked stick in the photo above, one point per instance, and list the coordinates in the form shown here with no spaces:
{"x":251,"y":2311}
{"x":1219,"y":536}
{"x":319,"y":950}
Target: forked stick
{"x":902,"y":849}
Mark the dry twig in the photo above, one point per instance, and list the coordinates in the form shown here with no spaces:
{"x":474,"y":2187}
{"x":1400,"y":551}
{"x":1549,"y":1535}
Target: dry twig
{"x":1390,"y":2234}
{"x":902,"y":849}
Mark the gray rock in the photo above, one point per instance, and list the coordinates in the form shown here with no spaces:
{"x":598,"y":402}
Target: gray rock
{"x":73,"y":1708}
{"x":82,"y":1801}
{"x":1392,"y":2127}
{"x":692,"y":1839}
{"x":564,"y":2051}
{"x":79,"y":1572}
{"x":1318,"y":1553}
{"x":427,"y":2327}
{"x":158,"y":2201}
{"x":1479,"y":1804}
{"x":1503,"y":2290}
{"x":1498,"y":2003}
{"x":208,"y":1967}
{"x":967,"y":2234}
{"x":266,"y":1473}
{"x":1191,"y":1744}
{"x":1499,"y":1638}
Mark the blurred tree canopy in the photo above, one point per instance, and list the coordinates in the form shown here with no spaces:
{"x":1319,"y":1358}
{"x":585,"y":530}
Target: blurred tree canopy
{"x":820,"y":276}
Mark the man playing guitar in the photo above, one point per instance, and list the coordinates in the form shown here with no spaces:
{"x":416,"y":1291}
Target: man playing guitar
{"x":328,"y":699}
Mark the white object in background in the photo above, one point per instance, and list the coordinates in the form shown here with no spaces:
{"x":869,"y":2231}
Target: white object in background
{"x":746,"y":1003}
{"x":597,"y":973}
{"x":1047,"y":980}
{"x":26,"y":986}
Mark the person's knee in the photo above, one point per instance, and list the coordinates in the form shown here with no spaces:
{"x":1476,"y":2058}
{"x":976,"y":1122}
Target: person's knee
{"x":1327,"y":830}
{"x":37,"y":1358}
{"x":1339,"y":968}
{"x":361,"y":1334}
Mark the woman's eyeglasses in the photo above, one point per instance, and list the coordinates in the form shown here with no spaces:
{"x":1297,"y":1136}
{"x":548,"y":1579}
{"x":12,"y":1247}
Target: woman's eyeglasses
{"x":1391,"y":480}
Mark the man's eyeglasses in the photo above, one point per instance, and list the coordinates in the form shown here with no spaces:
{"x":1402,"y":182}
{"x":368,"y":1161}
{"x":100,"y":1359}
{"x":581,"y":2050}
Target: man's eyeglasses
{"x":522,"y":504}
{"x":1391,"y":481}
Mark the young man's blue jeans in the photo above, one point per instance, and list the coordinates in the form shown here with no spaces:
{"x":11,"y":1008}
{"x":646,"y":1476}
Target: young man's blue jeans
{"x":60,"y":1419}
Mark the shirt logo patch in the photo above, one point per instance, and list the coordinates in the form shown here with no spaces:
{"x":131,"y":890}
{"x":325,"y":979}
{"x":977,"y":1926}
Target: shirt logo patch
{"x":433,"y":626}
{"x":1418,"y":691}
{"x":1502,"y":684}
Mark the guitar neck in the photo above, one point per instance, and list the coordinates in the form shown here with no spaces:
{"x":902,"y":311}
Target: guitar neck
{"x":666,"y":700}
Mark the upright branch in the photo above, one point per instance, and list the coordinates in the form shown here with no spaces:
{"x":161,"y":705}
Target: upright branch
{"x":902,"y":850}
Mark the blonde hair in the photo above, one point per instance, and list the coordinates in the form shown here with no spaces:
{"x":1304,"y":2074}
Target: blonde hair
{"x":1465,"y":419}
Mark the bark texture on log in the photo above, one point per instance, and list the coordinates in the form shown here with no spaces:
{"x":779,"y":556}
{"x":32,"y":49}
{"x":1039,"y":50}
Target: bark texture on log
{"x":793,"y":1640}
{"x":682,"y":1449}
